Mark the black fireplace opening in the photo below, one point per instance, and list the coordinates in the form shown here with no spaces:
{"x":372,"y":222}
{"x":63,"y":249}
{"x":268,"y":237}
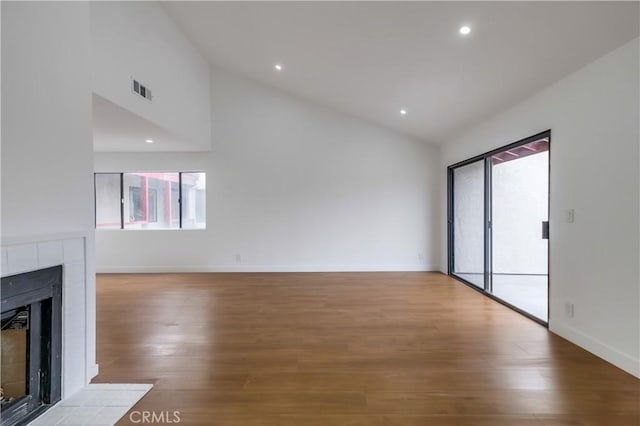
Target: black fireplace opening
{"x":31,"y":344}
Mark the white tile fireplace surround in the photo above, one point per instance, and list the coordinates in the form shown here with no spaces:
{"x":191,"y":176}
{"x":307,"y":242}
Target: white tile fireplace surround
{"x":78,"y":341}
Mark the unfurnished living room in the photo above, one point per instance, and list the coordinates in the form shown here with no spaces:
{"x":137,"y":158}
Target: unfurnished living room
{"x":320,"y":213}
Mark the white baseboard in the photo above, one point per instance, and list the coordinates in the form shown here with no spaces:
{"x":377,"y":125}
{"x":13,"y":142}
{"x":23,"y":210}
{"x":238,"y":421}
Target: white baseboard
{"x":610,"y":354}
{"x":265,"y":268}
{"x":93,"y":372}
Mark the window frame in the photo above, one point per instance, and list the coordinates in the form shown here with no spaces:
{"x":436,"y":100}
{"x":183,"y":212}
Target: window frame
{"x":122,"y":203}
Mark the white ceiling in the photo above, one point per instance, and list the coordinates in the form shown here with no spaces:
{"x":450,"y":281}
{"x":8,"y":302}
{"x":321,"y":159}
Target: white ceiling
{"x":370,"y":59}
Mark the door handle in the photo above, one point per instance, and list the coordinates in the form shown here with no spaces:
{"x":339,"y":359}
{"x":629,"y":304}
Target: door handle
{"x":545,"y":230}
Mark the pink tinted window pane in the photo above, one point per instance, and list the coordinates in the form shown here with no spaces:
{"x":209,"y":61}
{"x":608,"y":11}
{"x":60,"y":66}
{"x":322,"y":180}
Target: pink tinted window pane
{"x":151,"y":200}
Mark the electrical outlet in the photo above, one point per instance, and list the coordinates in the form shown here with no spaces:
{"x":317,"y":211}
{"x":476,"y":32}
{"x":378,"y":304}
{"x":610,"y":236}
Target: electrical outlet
{"x":238,"y":258}
{"x":420,"y":256}
{"x":569,"y":309}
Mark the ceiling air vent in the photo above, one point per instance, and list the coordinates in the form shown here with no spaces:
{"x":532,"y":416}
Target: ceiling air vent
{"x":140,"y":89}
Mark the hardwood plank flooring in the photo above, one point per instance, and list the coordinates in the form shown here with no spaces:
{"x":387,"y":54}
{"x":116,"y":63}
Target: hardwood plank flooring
{"x":375,"y":349}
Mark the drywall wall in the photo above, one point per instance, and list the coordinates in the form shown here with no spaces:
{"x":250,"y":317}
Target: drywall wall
{"x":46,"y":121}
{"x":138,"y":39}
{"x":47,"y":162}
{"x":593,"y":117}
{"x":291,"y":186}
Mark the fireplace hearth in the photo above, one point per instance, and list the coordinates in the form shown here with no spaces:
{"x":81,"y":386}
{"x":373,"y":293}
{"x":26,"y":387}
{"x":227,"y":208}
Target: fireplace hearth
{"x":31,"y":344}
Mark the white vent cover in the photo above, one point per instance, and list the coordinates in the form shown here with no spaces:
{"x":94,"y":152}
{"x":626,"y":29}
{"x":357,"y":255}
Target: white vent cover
{"x":141,"y":90}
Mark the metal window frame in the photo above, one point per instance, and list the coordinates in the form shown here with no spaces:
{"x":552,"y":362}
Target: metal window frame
{"x":121,"y":174}
{"x":180,"y":198}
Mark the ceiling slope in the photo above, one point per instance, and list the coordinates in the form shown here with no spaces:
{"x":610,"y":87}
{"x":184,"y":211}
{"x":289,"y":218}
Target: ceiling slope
{"x":371,"y":59}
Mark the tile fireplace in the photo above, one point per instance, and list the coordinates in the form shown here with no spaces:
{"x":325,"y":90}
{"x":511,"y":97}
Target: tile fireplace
{"x":72,"y":255}
{"x":31,"y":344}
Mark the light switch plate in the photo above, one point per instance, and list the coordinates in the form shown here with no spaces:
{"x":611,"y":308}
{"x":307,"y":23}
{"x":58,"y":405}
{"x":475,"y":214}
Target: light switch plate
{"x":569,"y":216}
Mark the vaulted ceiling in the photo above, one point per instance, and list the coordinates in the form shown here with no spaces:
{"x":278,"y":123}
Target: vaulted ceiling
{"x":372,"y":59}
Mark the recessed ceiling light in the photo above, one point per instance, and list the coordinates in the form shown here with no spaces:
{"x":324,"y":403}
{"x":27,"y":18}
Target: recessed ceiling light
{"x":149,"y":141}
{"x":403,"y":112}
{"x":464,"y":30}
{"x":278,"y":67}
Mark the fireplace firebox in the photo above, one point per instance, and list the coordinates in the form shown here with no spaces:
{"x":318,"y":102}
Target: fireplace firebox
{"x":31,"y":344}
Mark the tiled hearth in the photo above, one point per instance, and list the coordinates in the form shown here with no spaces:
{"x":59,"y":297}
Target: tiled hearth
{"x":96,"y":405}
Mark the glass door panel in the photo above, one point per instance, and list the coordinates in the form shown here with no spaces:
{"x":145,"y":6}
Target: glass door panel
{"x":519,"y":227}
{"x":468,"y":223}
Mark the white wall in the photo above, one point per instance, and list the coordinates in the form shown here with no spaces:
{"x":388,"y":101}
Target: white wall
{"x":47,"y":161}
{"x":138,"y":39}
{"x":593,"y":116}
{"x":290,"y":186}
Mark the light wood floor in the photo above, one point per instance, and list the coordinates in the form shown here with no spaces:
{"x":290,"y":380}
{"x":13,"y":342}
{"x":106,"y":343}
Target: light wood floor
{"x":340,"y":349}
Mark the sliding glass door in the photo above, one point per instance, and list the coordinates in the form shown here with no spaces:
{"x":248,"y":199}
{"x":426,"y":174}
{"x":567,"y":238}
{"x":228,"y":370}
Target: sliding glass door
{"x":498,"y":224}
